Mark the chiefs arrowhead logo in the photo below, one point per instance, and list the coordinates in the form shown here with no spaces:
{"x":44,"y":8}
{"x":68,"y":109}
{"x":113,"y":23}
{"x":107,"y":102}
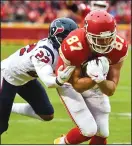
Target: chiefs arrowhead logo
{"x":59,"y":28}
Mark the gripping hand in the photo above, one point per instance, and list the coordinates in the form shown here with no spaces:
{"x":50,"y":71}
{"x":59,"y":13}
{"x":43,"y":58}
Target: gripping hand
{"x":98,"y":69}
{"x":64,"y":74}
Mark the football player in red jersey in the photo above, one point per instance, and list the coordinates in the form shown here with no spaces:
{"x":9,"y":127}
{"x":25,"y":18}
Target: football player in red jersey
{"x":87,"y":100}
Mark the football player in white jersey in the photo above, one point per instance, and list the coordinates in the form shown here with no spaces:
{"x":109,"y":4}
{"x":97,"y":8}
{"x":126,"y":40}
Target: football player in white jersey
{"x":20,"y":70}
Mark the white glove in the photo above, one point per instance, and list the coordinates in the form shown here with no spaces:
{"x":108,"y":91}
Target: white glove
{"x":64,"y":75}
{"x":105,"y":64}
{"x":98,"y":69}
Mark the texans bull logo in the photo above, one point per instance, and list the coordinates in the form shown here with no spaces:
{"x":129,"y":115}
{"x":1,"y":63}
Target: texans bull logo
{"x":59,"y":28}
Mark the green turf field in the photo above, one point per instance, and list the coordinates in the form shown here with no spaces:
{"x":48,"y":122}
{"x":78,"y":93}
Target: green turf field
{"x":25,"y":130}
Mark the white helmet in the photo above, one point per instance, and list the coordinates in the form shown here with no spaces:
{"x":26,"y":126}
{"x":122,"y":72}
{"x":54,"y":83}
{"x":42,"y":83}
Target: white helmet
{"x":102,"y":5}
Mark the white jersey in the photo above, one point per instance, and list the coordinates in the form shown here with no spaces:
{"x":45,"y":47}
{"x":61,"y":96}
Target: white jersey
{"x":30,"y":62}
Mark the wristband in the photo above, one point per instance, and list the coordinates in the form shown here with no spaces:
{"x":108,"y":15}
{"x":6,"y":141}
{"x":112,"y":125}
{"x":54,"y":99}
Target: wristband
{"x":58,"y":82}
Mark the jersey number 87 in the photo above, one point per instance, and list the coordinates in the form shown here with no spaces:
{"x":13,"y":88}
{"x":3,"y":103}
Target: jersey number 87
{"x":72,"y":40}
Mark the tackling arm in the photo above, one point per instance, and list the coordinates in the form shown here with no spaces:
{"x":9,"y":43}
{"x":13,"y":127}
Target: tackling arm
{"x":81,"y":84}
{"x":45,"y":73}
{"x":108,"y":86}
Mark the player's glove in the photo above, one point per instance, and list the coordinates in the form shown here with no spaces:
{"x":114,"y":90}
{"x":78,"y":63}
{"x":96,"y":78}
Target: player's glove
{"x":98,"y":69}
{"x":64,"y":75}
{"x":105,"y":64}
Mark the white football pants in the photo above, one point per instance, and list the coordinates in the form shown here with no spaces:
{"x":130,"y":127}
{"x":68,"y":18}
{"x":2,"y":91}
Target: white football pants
{"x":90,"y":110}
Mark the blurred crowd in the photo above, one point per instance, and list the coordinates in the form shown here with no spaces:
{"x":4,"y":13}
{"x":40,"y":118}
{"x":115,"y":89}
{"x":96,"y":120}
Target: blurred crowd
{"x":46,"y":11}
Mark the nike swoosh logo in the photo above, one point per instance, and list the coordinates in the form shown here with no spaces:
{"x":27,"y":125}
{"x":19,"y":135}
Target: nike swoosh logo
{"x":95,"y":75}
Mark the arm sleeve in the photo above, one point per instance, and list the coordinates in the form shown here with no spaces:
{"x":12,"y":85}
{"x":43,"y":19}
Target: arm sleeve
{"x":45,"y":73}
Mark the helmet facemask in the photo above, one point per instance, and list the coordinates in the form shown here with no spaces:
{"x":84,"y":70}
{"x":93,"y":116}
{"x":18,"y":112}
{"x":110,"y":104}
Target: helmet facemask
{"x":103,"y":43}
{"x":60,"y":37}
{"x":58,"y":41}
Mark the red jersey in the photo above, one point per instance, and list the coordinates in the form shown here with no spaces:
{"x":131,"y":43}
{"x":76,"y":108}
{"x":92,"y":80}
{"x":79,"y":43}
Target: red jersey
{"x":75,"y":50}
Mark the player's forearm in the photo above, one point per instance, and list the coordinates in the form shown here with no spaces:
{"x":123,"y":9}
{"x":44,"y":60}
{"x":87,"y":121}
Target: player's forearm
{"x":49,"y":81}
{"x":107,"y":87}
{"x":79,"y":83}
{"x":47,"y":76}
{"x":83,"y":84}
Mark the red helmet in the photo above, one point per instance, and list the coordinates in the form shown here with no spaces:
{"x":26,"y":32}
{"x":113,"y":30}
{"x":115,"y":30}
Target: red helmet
{"x":100,"y":28}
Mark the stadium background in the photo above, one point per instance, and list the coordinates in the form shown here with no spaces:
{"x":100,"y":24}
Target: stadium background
{"x":24,"y":22}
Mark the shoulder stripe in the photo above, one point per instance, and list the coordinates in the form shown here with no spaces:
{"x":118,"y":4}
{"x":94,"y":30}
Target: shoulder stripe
{"x":51,"y":52}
